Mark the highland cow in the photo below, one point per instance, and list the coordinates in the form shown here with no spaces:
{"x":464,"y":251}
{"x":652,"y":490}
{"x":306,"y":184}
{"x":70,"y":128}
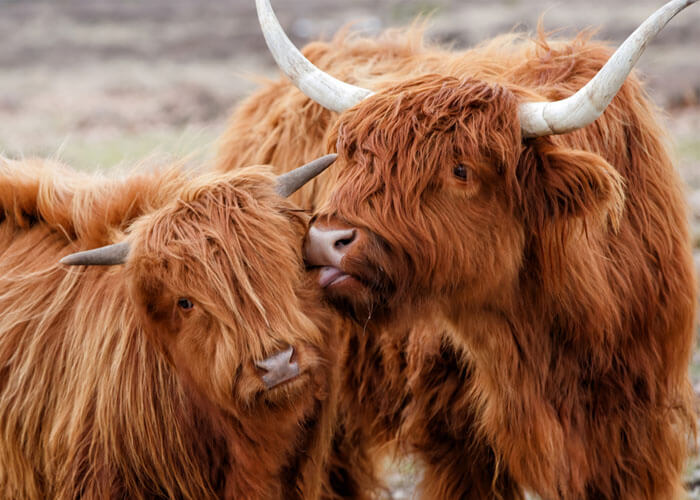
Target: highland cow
{"x":397,"y":381}
{"x":201,"y":367}
{"x":543,"y":222}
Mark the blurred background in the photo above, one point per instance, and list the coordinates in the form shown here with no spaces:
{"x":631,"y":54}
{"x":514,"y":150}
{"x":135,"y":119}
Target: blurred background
{"x":100,"y":83}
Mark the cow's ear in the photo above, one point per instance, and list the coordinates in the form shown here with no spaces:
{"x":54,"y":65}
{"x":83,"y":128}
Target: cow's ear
{"x":560,"y":183}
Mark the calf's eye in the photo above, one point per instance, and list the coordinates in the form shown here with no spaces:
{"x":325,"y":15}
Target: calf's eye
{"x":185,"y":304}
{"x":460,"y":171}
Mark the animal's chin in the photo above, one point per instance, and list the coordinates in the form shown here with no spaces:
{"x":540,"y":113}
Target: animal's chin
{"x":356,"y":295}
{"x":284,"y":395}
{"x":289,"y":390}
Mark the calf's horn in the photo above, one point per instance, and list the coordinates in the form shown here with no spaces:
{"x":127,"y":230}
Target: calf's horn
{"x":291,"y":181}
{"x":321,"y":87}
{"x":110,"y":255}
{"x":586,"y":105}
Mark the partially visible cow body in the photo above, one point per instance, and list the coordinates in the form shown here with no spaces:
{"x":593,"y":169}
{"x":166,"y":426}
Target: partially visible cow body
{"x":104,"y":397}
{"x":568,"y":347}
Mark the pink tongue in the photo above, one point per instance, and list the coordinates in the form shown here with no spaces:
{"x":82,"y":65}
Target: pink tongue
{"x":328,"y":275}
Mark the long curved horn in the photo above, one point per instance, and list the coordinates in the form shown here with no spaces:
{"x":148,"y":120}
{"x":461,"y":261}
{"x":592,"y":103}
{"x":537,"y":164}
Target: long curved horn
{"x":110,"y":255}
{"x":291,"y":181}
{"x":329,"y":92}
{"x":586,"y":105}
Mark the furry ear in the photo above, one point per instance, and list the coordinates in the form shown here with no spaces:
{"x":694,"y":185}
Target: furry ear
{"x":559,"y":183}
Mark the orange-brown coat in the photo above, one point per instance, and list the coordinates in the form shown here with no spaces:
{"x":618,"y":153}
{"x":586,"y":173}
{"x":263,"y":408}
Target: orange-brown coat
{"x":110,"y":387}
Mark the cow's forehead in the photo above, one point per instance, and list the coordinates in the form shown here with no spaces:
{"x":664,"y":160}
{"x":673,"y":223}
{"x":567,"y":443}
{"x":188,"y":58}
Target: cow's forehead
{"x":224,"y":230}
{"x":429,"y":122}
{"x":431,"y":104}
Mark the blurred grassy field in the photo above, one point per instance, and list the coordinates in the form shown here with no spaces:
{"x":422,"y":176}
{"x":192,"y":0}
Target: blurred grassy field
{"x":195,"y":144}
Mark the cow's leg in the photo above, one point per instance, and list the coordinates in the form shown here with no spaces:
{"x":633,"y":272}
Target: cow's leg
{"x":372,"y":402}
{"x":440,"y":428}
{"x":457,"y":468}
{"x":352,"y":472}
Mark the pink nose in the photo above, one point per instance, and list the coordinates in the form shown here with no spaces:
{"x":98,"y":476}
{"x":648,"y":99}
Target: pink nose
{"x":327,"y":247}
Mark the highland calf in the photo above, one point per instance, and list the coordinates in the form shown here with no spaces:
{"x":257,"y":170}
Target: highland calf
{"x":202,"y":367}
{"x":545,"y":224}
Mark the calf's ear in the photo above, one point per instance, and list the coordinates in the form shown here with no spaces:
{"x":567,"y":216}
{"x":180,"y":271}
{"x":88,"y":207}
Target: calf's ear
{"x":559,"y":184}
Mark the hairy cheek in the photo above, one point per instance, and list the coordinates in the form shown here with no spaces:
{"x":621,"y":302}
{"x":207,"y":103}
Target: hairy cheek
{"x":194,"y":354}
{"x":160,"y":325}
{"x":355,"y":300}
{"x":489,"y":264}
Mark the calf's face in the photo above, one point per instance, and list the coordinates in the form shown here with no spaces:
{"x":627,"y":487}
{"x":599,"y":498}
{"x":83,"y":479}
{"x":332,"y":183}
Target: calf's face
{"x":219,"y":280}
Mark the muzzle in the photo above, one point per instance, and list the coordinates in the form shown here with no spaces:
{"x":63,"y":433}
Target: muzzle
{"x":279,"y":368}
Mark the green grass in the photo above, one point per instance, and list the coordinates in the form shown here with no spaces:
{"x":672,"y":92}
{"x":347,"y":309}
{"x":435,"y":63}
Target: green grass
{"x":195,"y":145}
{"x":404,"y":12}
{"x":689,"y":149}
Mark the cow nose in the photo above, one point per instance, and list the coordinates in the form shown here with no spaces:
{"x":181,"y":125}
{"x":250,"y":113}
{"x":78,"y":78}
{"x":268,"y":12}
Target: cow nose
{"x":327,"y":247}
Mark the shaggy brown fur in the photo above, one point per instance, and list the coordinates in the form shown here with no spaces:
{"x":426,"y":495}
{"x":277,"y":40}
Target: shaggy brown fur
{"x":562,"y":264}
{"x":108,"y":389}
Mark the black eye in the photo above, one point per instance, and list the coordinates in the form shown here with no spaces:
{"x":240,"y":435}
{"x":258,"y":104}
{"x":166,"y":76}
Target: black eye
{"x":185,"y":304}
{"x":460,"y":171}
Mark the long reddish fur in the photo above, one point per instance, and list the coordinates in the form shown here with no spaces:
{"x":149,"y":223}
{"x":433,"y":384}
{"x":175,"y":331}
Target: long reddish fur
{"x":564,"y":366}
{"x":97,"y":397}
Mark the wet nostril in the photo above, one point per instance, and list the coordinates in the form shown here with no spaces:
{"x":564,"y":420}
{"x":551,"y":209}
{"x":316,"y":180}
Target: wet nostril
{"x":327,"y":247}
{"x":345,"y":240}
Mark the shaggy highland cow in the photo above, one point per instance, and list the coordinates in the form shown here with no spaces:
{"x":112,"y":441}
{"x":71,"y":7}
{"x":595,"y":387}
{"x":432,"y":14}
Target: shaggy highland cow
{"x":203,"y":367}
{"x":397,"y":382}
{"x":528,"y":198}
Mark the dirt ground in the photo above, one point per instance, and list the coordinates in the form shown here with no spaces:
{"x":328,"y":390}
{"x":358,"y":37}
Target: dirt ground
{"x":100,"y":83}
